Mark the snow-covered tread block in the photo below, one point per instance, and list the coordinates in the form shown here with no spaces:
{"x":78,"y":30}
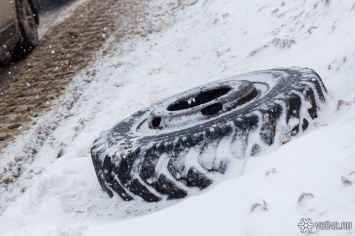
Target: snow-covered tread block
{"x":174,"y":146}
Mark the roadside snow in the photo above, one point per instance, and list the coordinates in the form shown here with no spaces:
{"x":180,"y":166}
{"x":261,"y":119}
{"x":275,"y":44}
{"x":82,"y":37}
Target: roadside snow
{"x":58,"y":193}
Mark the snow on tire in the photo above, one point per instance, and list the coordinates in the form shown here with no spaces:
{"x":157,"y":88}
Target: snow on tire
{"x":172,"y":147}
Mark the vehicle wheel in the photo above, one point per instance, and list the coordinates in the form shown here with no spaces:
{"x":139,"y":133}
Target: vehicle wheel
{"x":183,"y":142}
{"x":28,"y":21}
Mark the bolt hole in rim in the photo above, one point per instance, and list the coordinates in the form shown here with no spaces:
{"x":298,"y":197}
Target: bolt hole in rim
{"x":203,"y":104}
{"x":155,"y":122}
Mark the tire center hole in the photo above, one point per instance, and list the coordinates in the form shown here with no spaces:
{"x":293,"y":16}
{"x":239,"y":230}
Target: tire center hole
{"x":198,"y":99}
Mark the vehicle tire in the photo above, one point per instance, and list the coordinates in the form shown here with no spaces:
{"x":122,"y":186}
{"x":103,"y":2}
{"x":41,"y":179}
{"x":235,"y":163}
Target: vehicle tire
{"x":181,"y":143}
{"x":28,"y":21}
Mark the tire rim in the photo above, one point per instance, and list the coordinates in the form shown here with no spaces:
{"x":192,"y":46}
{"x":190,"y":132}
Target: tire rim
{"x":28,"y":21}
{"x":207,"y":103}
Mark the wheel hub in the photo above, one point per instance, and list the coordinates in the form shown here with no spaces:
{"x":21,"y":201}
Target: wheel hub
{"x":205,"y":103}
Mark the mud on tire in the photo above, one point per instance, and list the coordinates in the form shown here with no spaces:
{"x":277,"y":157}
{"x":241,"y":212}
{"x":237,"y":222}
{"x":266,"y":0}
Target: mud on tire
{"x":174,"y":146}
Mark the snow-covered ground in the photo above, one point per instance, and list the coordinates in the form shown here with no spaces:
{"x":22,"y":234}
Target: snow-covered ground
{"x":313,"y":176}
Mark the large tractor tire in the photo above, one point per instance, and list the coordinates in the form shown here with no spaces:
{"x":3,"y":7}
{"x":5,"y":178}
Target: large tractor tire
{"x":181,"y":143}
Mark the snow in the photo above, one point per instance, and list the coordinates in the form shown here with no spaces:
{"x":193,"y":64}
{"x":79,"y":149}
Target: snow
{"x":58,"y":192}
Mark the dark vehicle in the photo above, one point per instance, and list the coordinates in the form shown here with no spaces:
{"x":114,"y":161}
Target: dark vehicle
{"x":18,"y":27}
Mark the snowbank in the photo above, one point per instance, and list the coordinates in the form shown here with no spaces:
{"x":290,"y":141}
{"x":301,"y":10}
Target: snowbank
{"x":310,"y":177}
